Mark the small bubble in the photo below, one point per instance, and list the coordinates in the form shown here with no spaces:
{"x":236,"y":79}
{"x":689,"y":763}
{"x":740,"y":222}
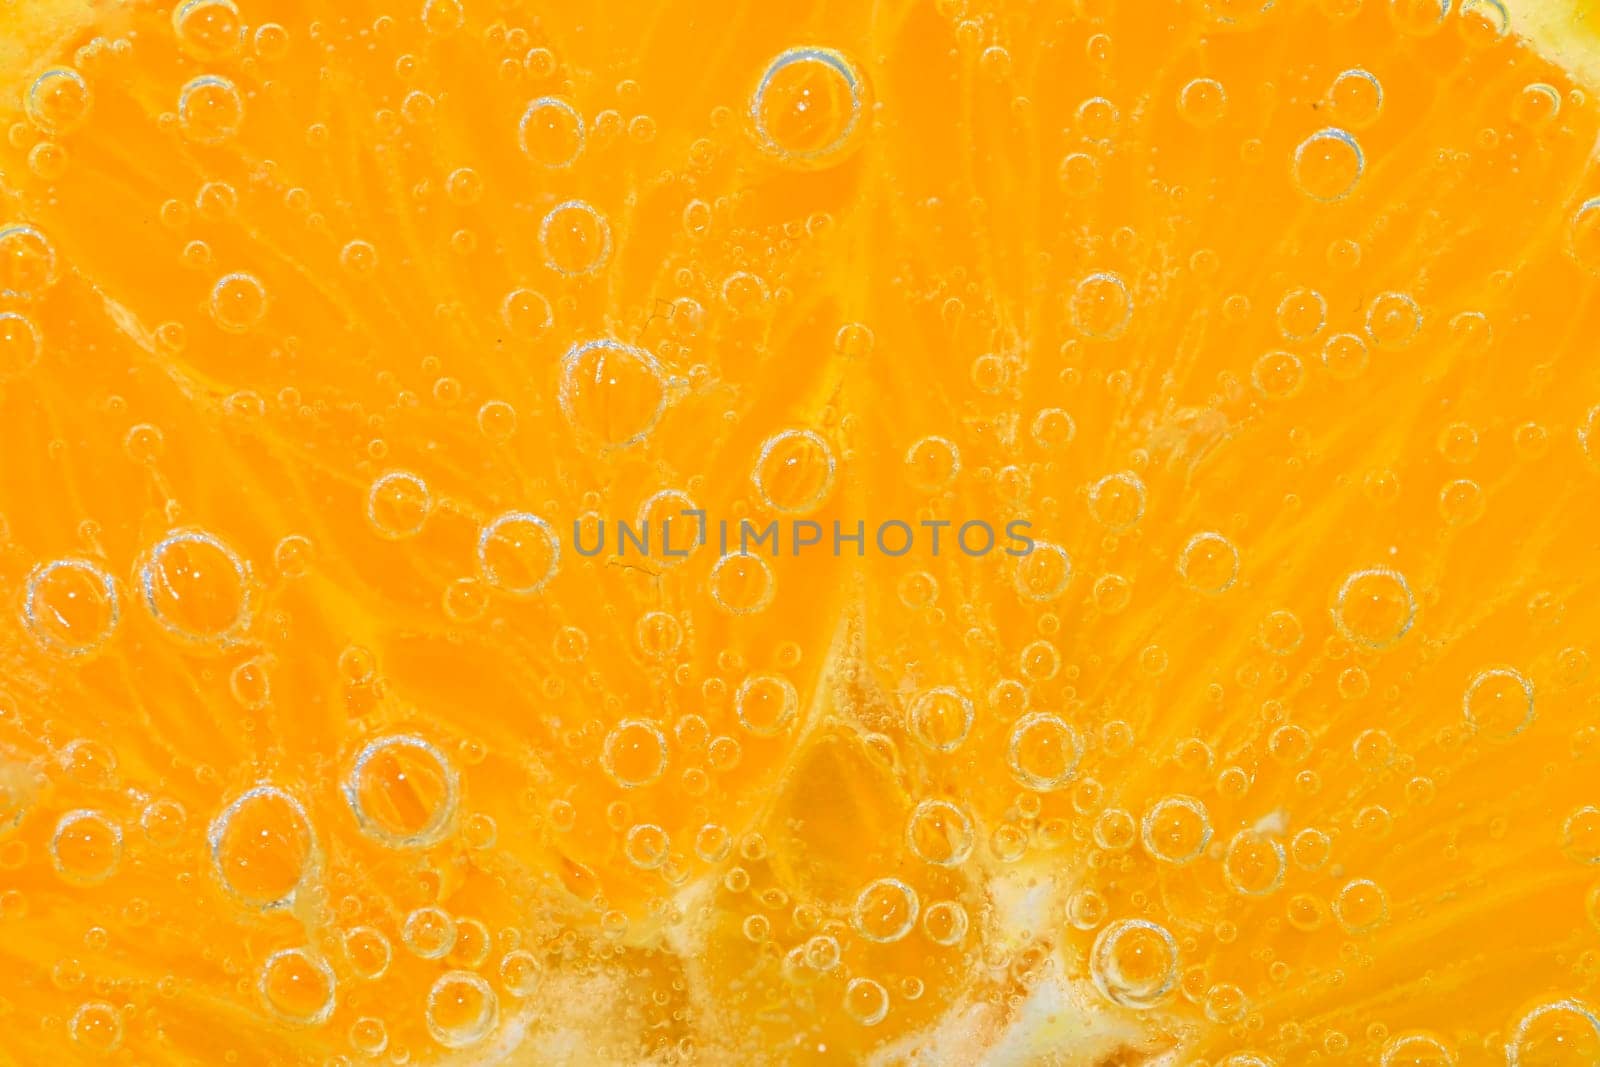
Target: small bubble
{"x":1482,"y":22}
{"x":940,"y":832}
{"x":238,"y":302}
{"x":794,"y":472}
{"x":1361,"y":906}
{"x":208,"y":30}
{"x":1561,"y":1033}
{"x":1356,"y":98}
{"x":1536,"y":106}
{"x":1043,"y":574}
{"x":1301,"y":314}
{"x":1393,"y":320}
{"x":20,"y":344}
{"x":428,"y":932}
{"x":634,"y":753}
{"x":402,"y":791}
{"x":1498,"y":703}
{"x":518,"y":553}
{"x":646,"y":846}
{"x":262,"y":846}
{"x":576,"y":238}
{"x":197,"y":587}
{"x":1417,"y":1048}
{"x":940,"y":718}
{"x":742,"y":584}
{"x":766,"y":704}
{"x":945,"y":922}
{"x":1580,"y":835}
{"x":86,"y":847}
{"x":398,"y":504}
{"x":210,"y":109}
{"x":866,"y":1001}
{"x":368,"y":951}
{"x":1042,"y":752}
{"x":1253,"y":864}
{"x":1117,"y":500}
{"x":1134,"y":963}
{"x":1176,"y":829}
{"x":97,"y":1026}
{"x":1374,"y":607}
{"x":441,"y":17}
{"x":808,"y":107}
{"x":369,"y":1036}
{"x":1328,"y":164}
{"x":611,"y":392}
{"x":886,"y":910}
{"x":1101,"y":306}
{"x":70,"y":606}
{"x":1202,"y":102}
{"x":462,"y":1009}
{"x":526,"y":313}
{"x":58,"y":102}
{"x":932,"y":463}
{"x":520,"y":972}
{"x":1209,"y":563}
{"x":551,"y":132}
{"x":297,"y":987}
{"x":28,"y":263}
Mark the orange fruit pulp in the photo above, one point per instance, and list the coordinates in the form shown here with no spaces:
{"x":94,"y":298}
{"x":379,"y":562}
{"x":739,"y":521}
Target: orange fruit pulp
{"x":334,"y":338}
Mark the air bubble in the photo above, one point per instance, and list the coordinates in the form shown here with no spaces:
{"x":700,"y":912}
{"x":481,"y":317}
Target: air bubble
{"x":1361,"y":906}
{"x":932,"y":463}
{"x":646,"y":846}
{"x":1117,"y":500}
{"x":1209,"y":563}
{"x":462,"y":1009}
{"x":1253,"y":864}
{"x":1043,"y":574}
{"x":940,"y":718}
{"x":1202,"y":102}
{"x":58,"y":102}
{"x":766,"y":704}
{"x":742,"y":584}
{"x":238,"y":302}
{"x":518,"y":553}
{"x":1134,"y":963}
{"x":368,"y":951}
{"x":940,"y":832}
{"x":551,"y":132}
{"x":1561,"y":1033}
{"x":520,"y":972}
{"x":429,"y":932}
{"x":86,"y":847}
{"x":945,"y":922}
{"x":297,"y":987}
{"x":1417,"y":1048}
{"x":28,"y":263}
{"x":794,"y":472}
{"x":20,"y":344}
{"x":70,"y":606}
{"x":207,"y":30}
{"x":634,"y":753}
{"x":262,"y":846}
{"x":1374,"y":607}
{"x":808,"y":107}
{"x":1101,"y":306}
{"x":97,"y":1026}
{"x":1301,"y":314}
{"x":1498,"y":702}
{"x":576,"y":238}
{"x":210,"y":109}
{"x":1356,"y":98}
{"x":1042,"y":752}
{"x":885,"y":910}
{"x":1327,"y":165}
{"x":398,"y":505}
{"x":1393,"y":320}
{"x":866,"y":1001}
{"x":611,"y":392}
{"x":402,"y":791}
{"x":1176,"y":829}
{"x":197,"y":588}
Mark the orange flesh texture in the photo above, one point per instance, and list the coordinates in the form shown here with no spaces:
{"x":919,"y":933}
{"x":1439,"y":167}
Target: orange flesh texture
{"x":1341,"y":372}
